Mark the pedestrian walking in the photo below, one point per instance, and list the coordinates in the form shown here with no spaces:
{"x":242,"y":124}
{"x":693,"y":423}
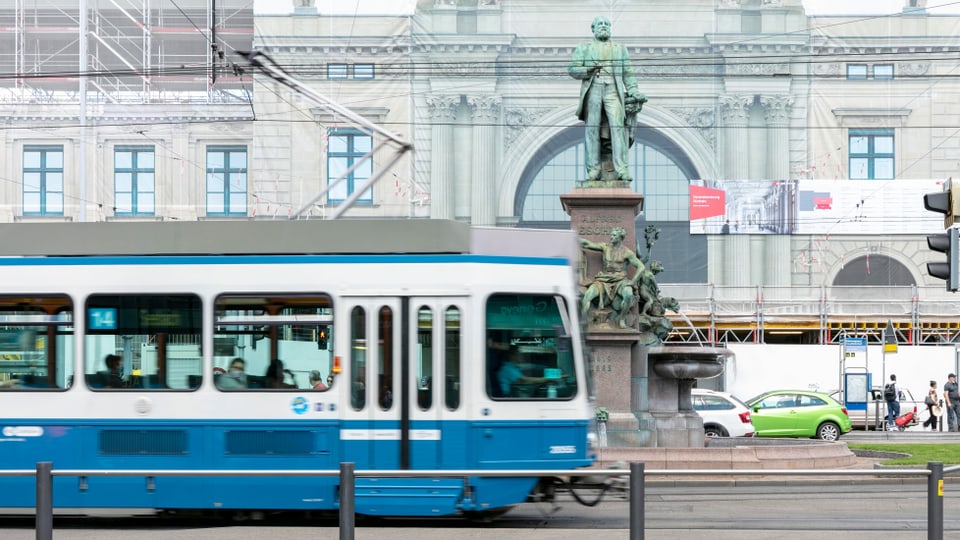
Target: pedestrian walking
{"x":932,"y":401}
{"x":951,"y":398}
{"x":891,"y":395}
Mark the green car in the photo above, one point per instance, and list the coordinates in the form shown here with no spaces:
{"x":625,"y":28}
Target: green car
{"x":798,"y":413}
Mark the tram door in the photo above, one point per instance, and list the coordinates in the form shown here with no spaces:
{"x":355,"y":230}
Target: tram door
{"x":404,"y":368}
{"x":435,"y":422}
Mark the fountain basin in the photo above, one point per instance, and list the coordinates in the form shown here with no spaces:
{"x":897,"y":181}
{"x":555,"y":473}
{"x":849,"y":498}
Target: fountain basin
{"x":688,"y":362}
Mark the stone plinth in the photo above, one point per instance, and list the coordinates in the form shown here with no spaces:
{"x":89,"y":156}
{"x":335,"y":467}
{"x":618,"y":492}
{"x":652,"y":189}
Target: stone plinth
{"x":621,"y":386}
{"x":619,"y":381}
{"x":594,"y":211}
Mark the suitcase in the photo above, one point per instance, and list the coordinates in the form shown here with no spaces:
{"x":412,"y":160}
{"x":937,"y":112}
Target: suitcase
{"x":902,"y":421}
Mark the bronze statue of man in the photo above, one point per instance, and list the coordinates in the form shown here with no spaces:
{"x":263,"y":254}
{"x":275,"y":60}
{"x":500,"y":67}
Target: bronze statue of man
{"x":611,"y":285}
{"x":608,"y":97}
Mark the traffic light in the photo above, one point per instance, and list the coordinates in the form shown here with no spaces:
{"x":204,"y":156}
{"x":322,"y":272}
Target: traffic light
{"x":948,"y":243}
{"x":946,"y":202}
{"x":323,"y":337}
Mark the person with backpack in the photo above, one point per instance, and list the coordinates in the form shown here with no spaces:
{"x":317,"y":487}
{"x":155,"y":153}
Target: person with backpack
{"x":890,"y":395}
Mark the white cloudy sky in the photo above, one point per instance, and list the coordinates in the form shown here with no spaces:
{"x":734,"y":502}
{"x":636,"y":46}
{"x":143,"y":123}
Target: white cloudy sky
{"x":814,"y":7}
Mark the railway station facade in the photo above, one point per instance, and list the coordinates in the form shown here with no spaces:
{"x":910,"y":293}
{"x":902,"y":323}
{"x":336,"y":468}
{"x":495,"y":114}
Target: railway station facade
{"x":745,"y":96}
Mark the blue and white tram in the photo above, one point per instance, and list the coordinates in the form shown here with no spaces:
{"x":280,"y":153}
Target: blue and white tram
{"x":392,"y":344}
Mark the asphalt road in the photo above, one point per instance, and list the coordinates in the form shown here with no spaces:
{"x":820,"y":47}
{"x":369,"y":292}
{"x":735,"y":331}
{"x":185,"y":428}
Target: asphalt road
{"x":803,"y":510}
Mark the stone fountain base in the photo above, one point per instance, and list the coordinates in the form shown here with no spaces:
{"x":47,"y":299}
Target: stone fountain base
{"x":736,"y":453}
{"x":672,"y":372}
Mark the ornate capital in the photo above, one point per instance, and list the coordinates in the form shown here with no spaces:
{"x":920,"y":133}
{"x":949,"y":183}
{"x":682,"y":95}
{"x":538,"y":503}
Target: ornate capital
{"x":443,"y":108}
{"x":777,"y":108}
{"x":736,"y":109}
{"x":485,"y":108}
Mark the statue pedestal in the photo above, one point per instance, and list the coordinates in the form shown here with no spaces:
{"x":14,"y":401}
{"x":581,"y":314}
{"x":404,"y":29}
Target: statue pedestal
{"x":594,"y":212}
{"x":613,"y":363}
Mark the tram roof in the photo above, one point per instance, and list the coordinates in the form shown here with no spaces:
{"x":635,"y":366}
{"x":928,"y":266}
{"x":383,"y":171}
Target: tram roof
{"x":281,"y":237}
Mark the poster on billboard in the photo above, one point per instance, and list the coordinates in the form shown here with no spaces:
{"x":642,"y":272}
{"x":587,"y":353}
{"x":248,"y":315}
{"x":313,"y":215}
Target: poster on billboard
{"x":812,"y":207}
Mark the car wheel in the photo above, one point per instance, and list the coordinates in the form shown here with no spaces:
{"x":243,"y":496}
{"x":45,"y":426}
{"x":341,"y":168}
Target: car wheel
{"x":715,"y":431}
{"x":828,"y":431}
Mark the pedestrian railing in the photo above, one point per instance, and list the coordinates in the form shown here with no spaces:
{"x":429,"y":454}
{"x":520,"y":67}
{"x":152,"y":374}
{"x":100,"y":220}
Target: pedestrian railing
{"x":44,"y":473}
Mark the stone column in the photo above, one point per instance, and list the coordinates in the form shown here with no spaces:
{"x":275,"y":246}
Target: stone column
{"x":486,"y":119}
{"x":736,"y":248}
{"x":442,"y":117}
{"x":777,"y":109}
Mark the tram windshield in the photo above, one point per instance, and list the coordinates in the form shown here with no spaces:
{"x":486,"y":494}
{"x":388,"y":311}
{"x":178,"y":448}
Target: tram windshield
{"x":529,"y":354}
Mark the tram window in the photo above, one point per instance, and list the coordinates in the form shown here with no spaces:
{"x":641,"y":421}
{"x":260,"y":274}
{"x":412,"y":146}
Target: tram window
{"x":143,"y":342}
{"x":425,"y":358}
{"x":452,"y":326}
{"x":273,"y":342}
{"x":385,"y":357}
{"x":526,"y":355}
{"x":358,"y":358}
{"x":36,"y":345}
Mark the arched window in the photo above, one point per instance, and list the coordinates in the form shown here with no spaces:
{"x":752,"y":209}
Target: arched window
{"x":876,"y":271}
{"x":661,"y":173}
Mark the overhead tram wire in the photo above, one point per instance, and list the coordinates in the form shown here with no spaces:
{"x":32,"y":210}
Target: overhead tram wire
{"x":710,"y":60}
{"x":506,"y":68}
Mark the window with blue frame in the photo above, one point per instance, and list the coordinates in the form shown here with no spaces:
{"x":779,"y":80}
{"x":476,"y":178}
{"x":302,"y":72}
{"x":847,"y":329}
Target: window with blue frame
{"x":337,"y":71}
{"x":345,"y":148}
{"x":857,"y":71}
{"x":363,"y":71}
{"x":227,"y":181}
{"x":43,"y":180}
{"x":871,"y":154}
{"x":134,"y":181}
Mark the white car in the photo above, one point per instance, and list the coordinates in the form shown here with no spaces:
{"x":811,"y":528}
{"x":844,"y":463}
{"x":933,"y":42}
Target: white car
{"x":723,"y":414}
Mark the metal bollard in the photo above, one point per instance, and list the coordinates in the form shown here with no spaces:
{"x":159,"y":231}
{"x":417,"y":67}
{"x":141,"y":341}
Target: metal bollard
{"x":347,"y":516}
{"x":44,"y":480}
{"x":637,"y":495}
{"x":935,"y":501}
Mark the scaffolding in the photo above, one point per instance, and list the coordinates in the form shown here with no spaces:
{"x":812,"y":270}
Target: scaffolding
{"x":169,"y":52}
{"x":812,"y":315}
